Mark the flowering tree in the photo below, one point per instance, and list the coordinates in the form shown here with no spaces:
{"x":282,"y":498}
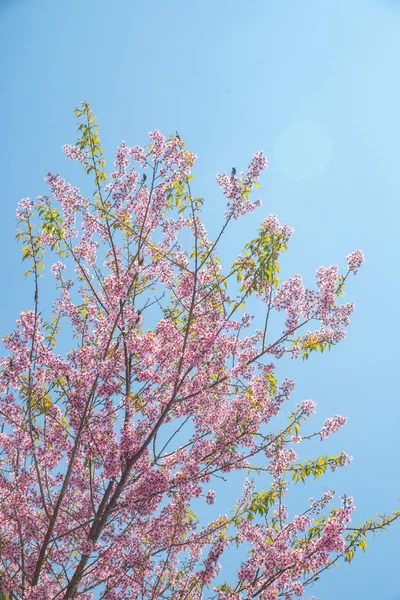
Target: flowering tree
{"x":165,"y":387}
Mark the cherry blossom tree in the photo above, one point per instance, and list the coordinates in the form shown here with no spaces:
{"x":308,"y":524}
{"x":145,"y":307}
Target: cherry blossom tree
{"x":165,"y":386}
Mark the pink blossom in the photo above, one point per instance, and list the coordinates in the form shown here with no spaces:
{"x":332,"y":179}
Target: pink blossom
{"x":332,"y":425}
{"x":24,"y":208}
{"x":74,"y":153}
{"x":57,"y":268}
{"x":355,"y":260}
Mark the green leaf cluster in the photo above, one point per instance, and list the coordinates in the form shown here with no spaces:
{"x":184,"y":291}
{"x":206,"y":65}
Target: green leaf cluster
{"x":314,"y":468}
{"x":89,"y":143}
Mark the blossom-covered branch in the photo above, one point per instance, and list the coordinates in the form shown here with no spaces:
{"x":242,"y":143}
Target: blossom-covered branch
{"x":146,"y":382}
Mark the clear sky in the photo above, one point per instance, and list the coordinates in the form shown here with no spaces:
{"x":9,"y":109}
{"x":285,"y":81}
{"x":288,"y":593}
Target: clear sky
{"x":313,"y":83}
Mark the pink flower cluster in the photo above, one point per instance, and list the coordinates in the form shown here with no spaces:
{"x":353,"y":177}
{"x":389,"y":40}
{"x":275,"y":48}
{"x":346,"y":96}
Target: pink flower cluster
{"x":355,"y":260}
{"x":74,"y":153}
{"x":24,"y":208}
{"x":332,"y":425}
{"x":236,"y":189}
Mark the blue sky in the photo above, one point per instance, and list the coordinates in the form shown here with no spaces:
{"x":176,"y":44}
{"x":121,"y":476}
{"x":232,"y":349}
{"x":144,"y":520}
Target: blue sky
{"x":315,"y":84}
